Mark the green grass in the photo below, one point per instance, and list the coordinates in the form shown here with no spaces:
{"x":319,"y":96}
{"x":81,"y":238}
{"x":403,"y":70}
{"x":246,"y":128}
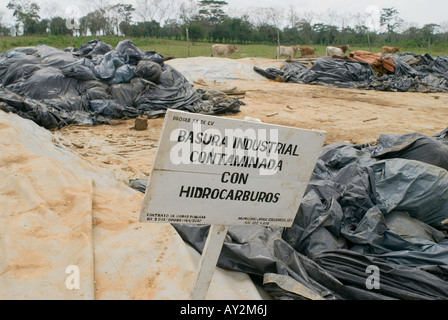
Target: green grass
{"x":178,"y":49}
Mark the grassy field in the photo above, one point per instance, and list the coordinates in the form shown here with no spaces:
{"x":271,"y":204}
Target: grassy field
{"x":178,"y":49}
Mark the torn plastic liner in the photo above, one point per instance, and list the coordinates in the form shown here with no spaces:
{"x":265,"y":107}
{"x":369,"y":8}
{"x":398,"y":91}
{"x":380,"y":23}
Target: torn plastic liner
{"x":411,"y":72}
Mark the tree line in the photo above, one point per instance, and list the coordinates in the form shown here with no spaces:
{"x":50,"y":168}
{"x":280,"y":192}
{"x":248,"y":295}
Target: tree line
{"x":207,"y":20}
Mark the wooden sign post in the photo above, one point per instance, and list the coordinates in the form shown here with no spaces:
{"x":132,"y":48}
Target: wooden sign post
{"x":209,"y":258}
{"x":221,"y":172}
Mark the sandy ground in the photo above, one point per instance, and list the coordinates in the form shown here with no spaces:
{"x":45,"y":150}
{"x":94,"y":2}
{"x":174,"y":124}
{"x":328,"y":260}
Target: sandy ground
{"x":347,"y":115}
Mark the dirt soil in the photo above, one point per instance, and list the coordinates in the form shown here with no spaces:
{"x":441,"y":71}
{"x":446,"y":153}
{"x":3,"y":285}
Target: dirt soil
{"x":347,"y":115}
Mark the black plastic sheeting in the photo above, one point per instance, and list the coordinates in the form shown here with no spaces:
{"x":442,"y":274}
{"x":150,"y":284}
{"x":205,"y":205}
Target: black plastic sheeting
{"x":413,"y":73}
{"x":95,"y":83}
{"x":383,"y":205}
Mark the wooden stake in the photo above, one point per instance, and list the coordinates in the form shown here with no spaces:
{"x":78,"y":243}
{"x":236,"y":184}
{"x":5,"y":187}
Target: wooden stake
{"x":209,"y":258}
{"x":278,"y":44}
{"x":188,"y":43}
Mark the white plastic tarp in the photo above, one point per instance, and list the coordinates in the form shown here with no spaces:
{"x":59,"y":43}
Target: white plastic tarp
{"x":221,"y":70}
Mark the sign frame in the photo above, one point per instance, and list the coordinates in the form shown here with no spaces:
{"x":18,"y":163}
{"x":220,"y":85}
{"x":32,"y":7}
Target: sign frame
{"x":236,"y":175}
{"x":229,"y":184}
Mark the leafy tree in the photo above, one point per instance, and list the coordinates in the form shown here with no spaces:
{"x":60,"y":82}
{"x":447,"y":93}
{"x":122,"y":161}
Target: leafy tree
{"x":146,"y":29}
{"x":306,"y":30}
{"x":212,"y":11}
{"x":26,"y":13}
{"x":239,"y":30}
{"x":325,"y":34}
{"x":211,"y":16}
{"x":40,"y":27}
{"x":196,"y":31}
{"x":58,"y":26}
{"x":267,"y":33}
{"x":291,"y":36}
{"x":428,"y":30}
{"x":390,"y":19}
{"x":125,"y":11}
{"x":122,"y":16}
{"x":172,"y":29}
{"x":125,"y":28}
{"x":5,"y":31}
{"x":94,"y":21}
